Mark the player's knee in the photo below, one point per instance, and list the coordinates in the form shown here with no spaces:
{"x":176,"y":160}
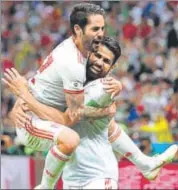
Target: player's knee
{"x":68,"y":140}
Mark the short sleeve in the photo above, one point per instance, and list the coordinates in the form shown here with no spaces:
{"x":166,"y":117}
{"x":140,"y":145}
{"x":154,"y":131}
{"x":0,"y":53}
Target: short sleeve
{"x":73,"y":77}
{"x":69,"y":68}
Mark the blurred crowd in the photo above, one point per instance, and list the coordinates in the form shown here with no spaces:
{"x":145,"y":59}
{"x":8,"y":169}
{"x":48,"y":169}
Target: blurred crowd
{"x":148,"y":68}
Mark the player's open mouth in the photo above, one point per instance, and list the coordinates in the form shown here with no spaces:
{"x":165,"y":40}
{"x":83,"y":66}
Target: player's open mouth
{"x":96,"y":41}
{"x":95,"y":69}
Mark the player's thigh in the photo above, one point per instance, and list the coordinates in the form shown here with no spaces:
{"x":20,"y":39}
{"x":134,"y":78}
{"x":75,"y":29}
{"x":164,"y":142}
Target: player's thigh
{"x":47,"y":129}
{"x":32,"y":141}
{"x":40,"y":134}
{"x":59,"y":133}
{"x":102,"y":184}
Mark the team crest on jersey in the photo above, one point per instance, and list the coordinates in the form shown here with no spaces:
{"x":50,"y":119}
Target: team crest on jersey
{"x":77,"y":85}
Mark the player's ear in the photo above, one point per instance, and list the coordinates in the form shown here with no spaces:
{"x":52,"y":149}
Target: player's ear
{"x":78,"y":30}
{"x":111,"y":69}
{"x":115,"y":64}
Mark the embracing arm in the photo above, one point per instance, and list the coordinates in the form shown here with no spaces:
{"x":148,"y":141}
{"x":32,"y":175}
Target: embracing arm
{"x":65,"y":118}
{"x":46,"y":112}
{"x":19,"y":86}
{"x":75,"y":103}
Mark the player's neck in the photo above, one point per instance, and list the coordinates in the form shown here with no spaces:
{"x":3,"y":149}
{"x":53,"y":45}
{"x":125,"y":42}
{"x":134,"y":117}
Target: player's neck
{"x":88,"y":79}
{"x":86,"y":82}
{"x":80,"y":46}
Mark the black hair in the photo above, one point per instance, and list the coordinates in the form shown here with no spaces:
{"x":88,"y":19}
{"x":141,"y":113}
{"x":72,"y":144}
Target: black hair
{"x":145,"y":116}
{"x":113,"y":45}
{"x":81,"y":12}
{"x":145,"y":139}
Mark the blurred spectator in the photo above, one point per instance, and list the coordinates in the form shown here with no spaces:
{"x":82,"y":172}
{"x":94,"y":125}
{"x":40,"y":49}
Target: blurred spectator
{"x":172,"y":112}
{"x":144,"y":28}
{"x":176,"y":85}
{"x":6,"y":63}
{"x":6,"y":143}
{"x":3,"y":147}
{"x":172,"y":37}
{"x":129,"y":29}
{"x":159,"y":128}
{"x":146,"y":146}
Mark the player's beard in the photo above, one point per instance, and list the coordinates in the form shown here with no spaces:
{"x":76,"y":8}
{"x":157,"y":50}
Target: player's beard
{"x":88,"y":44}
{"x":91,"y":45}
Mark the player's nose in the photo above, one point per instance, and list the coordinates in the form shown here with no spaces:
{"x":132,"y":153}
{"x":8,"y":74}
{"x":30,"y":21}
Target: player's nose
{"x":100,"y":34}
{"x":99,"y":63}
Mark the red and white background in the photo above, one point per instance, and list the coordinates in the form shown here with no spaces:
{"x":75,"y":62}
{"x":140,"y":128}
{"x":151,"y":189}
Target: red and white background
{"x":19,"y":172}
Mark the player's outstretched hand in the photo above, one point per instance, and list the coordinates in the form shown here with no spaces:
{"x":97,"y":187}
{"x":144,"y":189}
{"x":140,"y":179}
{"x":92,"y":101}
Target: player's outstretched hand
{"x":16,"y":83}
{"x":112,"y":86}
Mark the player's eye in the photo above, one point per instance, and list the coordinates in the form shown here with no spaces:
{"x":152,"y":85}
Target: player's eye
{"x":95,"y":29}
{"x":107,"y":61}
{"x":97,"y":55}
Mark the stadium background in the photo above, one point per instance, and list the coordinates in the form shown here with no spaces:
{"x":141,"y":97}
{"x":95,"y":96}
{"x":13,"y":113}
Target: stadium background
{"x":148,"y":68}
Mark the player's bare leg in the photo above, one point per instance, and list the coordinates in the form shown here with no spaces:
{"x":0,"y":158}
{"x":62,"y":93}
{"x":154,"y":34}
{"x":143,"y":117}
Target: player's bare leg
{"x":58,"y":155}
{"x":149,"y":166}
